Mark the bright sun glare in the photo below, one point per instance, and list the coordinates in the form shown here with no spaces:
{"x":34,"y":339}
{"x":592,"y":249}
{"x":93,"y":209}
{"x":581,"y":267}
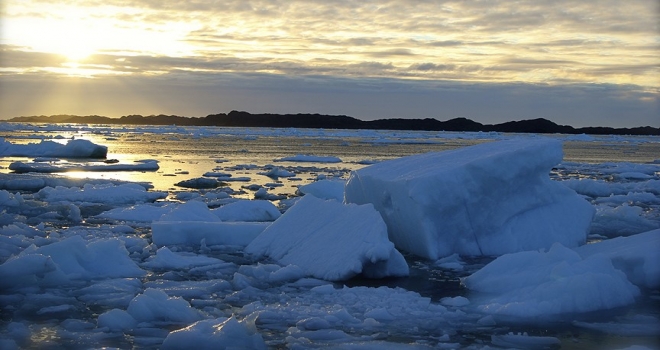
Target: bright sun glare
{"x":73,"y":35}
{"x":77,"y":53}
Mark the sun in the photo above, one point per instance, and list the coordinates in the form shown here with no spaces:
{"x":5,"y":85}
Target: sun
{"x":77,"y":53}
{"x":73,"y":42}
{"x":75,"y":38}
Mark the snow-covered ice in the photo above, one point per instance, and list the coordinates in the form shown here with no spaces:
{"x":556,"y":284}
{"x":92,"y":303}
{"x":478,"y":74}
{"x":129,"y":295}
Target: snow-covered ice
{"x":106,"y":193}
{"x":638,"y":256}
{"x":139,"y":212}
{"x":309,"y":158}
{"x":193,"y":223}
{"x":489,"y":199}
{"x":200,"y":182}
{"x":153,"y":305}
{"x":54,"y":167}
{"x":215,"y":334}
{"x":623,"y":220}
{"x":71,"y":149}
{"x":35,"y":182}
{"x":247,"y":210}
{"x":332,"y":241}
{"x":524,"y":341}
{"x":326,"y":189}
{"x":64,"y":262}
{"x":536,"y":284}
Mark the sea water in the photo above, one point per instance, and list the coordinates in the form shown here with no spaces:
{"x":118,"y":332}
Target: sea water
{"x":185,"y":153}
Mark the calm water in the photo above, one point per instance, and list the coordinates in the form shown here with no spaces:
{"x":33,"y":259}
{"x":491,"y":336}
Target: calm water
{"x":197,"y":155}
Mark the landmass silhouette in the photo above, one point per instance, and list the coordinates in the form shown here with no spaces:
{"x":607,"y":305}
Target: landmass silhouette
{"x":322,"y":121}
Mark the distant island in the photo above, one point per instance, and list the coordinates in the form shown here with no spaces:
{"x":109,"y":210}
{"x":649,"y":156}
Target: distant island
{"x":320,"y":121}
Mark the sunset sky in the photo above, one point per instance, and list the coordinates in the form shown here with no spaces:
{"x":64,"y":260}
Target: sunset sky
{"x":582,"y":63}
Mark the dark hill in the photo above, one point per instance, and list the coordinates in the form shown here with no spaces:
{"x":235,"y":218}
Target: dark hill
{"x":538,"y":125}
{"x":321,"y":121}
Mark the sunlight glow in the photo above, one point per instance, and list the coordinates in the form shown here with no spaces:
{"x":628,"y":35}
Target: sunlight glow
{"x":79,"y":33}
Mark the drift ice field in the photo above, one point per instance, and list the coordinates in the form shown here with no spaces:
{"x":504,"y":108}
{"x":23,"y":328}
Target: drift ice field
{"x":256,"y":238}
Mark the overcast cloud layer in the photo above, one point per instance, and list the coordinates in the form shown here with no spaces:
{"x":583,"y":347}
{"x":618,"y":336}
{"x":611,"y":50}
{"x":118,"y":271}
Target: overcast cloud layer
{"x":573,"y":62}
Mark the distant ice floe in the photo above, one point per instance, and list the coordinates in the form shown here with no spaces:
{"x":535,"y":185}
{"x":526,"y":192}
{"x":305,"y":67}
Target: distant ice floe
{"x":37,"y":181}
{"x":623,"y":220}
{"x":109,"y":194}
{"x":524,"y":341}
{"x":326,"y":189}
{"x":199,"y":183}
{"x":138,"y":212}
{"x":41,"y":167}
{"x":331,"y":241}
{"x":309,"y":158}
{"x":276,"y":172}
{"x":599,"y":188}
{"x":248,"y":211}
{"x":488,"y":199}
{"x":165,"y":259}
{"x":72,"y":149}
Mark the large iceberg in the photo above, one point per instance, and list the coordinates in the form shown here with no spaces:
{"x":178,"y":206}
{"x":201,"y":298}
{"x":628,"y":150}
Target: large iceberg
{"x":331,"y":241}
{"x":489,"y":199}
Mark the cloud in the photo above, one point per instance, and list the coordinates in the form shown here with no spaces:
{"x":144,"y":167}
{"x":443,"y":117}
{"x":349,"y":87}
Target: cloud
{"x":423,"y":46}
{"x":17,"y":57}
{"x":199,"y":94}
{"x":391,"y":53}
{"x":427,"y":66}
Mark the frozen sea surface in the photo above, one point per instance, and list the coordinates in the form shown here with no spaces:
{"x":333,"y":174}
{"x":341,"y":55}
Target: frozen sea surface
{"x":80,"y":268}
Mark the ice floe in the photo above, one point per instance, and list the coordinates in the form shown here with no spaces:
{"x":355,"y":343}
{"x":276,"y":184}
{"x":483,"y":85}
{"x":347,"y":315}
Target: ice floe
{"x":35,"y":182}
{"x":40,"y":167}
{"x":106,"y":193}
{"x":332,"y":241}
{"x":71,"y":149}
{"x":309,"y":158}
{"x":638,"y":256}
{"x":66,"y":261}
{"x":247,"y":210}
{"x":537,"y":284}
{"x":326,"y":189}
{"x":211,"y":334}
{"x":194,"y":224}
{"x":139,"y":212}
{"x":624,"y":220}
{"x":524,"y":341}
{"x":465,"y":201}
{"x":200,"y":182}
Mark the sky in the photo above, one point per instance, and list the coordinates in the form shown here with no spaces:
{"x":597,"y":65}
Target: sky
{"x":579,"y":63}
